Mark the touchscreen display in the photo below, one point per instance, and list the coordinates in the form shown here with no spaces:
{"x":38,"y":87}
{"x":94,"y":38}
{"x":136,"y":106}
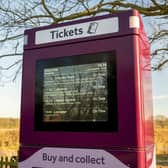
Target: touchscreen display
{"x":75,"y":93}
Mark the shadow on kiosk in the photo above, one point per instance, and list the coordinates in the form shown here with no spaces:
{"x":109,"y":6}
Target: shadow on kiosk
{"x":86,"y":95}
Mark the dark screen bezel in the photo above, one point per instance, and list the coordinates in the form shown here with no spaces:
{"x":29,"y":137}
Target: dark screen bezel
{"x":111,"y":125}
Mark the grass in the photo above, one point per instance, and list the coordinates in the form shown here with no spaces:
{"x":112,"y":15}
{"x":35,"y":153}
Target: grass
{"x":9,"y":136}
{"x":161,"y":141}
{"x":162,"y":160}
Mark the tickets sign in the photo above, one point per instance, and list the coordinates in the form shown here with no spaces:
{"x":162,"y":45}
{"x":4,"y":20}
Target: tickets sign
{"x":87,"y":29}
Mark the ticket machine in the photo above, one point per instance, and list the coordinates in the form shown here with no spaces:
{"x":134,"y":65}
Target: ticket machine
{"x":86,"y":95}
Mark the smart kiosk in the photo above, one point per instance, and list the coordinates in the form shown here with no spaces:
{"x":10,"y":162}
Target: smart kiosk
{"x":86,"y":95}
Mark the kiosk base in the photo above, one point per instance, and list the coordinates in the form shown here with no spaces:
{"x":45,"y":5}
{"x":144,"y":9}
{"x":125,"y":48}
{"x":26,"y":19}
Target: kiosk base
{"x":51,"y":157}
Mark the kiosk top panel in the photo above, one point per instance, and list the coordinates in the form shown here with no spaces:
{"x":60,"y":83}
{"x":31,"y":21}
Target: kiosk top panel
{"x":117,"y":24}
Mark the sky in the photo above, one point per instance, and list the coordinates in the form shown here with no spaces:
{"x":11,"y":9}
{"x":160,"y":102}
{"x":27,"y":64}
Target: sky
{"x":160,"y":92}
{"x":10,"y":96}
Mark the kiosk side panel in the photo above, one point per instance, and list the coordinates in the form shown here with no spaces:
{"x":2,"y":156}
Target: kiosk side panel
{"x":147,"y":88}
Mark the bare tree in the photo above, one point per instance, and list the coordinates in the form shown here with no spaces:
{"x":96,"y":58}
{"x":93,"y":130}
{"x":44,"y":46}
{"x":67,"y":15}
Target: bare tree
{"x":18,"y":15}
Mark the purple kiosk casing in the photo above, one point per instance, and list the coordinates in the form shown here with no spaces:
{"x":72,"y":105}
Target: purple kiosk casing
{"x":122,"y":134}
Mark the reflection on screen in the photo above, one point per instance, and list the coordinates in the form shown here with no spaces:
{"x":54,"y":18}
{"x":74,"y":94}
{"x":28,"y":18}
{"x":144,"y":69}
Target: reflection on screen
{"x":75,"y":93}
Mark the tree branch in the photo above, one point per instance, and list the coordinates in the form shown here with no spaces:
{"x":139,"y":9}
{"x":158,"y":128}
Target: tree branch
{"x":12,"y":65}
{"x":11,"y":38}
{"x":158,"y":35}
{"x":160,"y":65}
{"x":11,"y":55}
{"x":48,"y":11}
{"x":104,"y":7}
{"x":159,"y":50}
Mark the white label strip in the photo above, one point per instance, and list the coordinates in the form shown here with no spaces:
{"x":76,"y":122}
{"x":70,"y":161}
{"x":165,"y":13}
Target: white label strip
{"x":87,"y":29}
{"x":71,"y":158}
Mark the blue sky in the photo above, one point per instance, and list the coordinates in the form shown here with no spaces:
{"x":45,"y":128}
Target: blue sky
{"x":10,"y":95}
{"x":160,"y":92}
